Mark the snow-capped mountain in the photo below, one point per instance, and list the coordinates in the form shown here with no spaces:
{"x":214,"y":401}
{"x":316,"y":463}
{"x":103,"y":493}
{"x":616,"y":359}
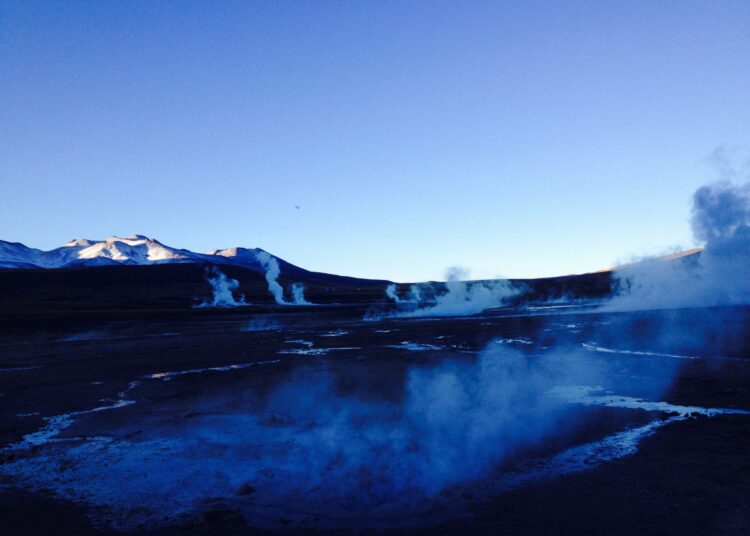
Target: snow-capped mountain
{"x":240,"y":256}
{"x":133,"y":250}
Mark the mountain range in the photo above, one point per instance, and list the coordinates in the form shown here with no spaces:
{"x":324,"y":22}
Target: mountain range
{"x":140,"y":250}
{"x":116,"y":250}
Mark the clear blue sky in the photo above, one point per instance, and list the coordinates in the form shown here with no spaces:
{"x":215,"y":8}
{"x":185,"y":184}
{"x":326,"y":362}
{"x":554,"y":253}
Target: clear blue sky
{"x":516,"y":139}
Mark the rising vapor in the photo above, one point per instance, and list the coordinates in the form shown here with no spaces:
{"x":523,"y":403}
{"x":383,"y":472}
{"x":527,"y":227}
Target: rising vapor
{"x":457,"y":298}
{"x":390,"y":291}
{"x":271,"y":265}
{"x":720,"y":221}
{"x":222,"y":287}
{"x":298,"y":294}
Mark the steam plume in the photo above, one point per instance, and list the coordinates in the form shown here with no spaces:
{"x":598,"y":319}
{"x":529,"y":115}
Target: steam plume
{"x":222,"y":287}
{"x":298,"y":294}
{"x":460,"y":298}
{"x":720,"y":276}
{"x":271,"y":265}
{"x":390,"y":291}
{"x":415,"y":293}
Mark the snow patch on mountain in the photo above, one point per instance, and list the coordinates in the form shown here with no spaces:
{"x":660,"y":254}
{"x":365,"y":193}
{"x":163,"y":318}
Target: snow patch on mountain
{"x":133,"y":250}
{"x":243,"y":256}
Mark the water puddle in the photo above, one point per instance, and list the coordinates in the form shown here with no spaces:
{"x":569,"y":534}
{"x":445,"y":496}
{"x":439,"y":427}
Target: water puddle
{"x":416,"y":347}
{"x":58,"y":423}
{"x":592,"y":347}
{"x":597,"y":396}
{"x":302,"y":342}
{"x":316,"y":351}
{"x":15,"y":369}
{"x":518,"y":340}
{"x":166,"y":376}
{"x":335,"y":333}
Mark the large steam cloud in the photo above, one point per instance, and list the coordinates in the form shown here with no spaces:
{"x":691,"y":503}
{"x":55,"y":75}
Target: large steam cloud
{"x":309,"y":445}
{"x":721,"y":220}
{"x":720,"y":276}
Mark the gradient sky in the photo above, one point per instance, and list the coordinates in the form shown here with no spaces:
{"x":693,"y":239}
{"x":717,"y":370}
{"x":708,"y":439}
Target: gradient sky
{"x":516,"y":139}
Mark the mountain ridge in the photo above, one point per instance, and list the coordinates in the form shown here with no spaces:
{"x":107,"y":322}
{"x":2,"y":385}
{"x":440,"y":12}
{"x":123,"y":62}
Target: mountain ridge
{"x":140,"y":251}
{"x":117,"y":250}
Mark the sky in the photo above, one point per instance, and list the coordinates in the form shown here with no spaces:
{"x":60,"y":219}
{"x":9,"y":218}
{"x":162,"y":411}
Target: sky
{"x":516,"y":139}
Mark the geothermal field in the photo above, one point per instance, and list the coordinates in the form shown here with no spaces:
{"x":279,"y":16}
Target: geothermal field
{"x":234,"y":393}
{"x":335,"y":417}
{"x":409,"y":268}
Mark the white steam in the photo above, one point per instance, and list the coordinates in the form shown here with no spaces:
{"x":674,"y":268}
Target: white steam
{"x":222,"y":287}
{"x":721,"y":219}
{"x":271,"y":265}
{"x":415,"y":293}
{"x":298,"y":294}
{"x":320,"y":450}
{"x":460,"y":298}
{"x":390,"y":291}
{"x":719,"y":276}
